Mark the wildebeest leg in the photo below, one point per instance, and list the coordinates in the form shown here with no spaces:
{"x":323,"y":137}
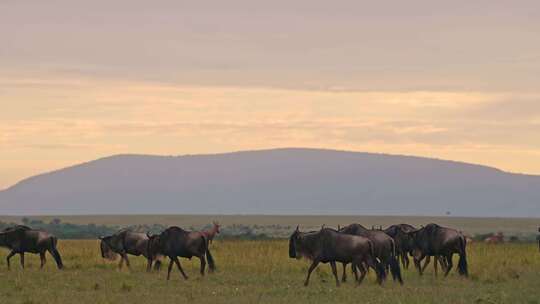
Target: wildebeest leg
{"x":405,"y":260}
{"x":428,"y":259}
{"x":170,"y":268}
{"x":363,"y":273}
{"x":127,"y":261}
{"x":22,"y":259}
{"x":355,"y":271}
{"x":157,"y":265}
{"x":334,"y":271}
{"x":42,"y":258}
{"x":11,"y":254}
{"x":149,"y":265}
{"x":203,"y":264}
{"x":180,"y":267}
{"x":449,"y":266}
{"x":310,"y":270}
{"x":377,"y":266}
{"x":417,"y":259}
{"x":121,"y":262}
{"x":344,"y":276}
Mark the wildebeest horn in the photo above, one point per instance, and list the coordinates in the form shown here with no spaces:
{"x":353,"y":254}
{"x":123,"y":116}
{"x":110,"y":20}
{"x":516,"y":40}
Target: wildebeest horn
{"x":298,"y":228}
{"x":338,"y":228}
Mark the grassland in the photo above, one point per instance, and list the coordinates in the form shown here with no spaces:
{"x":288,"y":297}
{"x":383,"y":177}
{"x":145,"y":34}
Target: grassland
{"x":509,"y":226}
{"x":261,"y":272}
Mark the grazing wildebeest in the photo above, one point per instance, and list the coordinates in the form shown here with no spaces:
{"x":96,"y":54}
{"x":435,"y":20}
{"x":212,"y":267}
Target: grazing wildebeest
{"x":176,"y":242}
{"x":384,"y":246}
{"x":127,"y":242}
{"x":434,"y":240}
{"x":211,"y":233}
{"x":21,"y":239}
{"x":331,"y":246}
{"x":402,"y":240}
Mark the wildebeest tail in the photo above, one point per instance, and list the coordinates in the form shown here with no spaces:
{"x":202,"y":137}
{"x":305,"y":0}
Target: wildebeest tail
{"x":462,"y":263}
{"x":55,"y":254}
{"x":371,"y":250}
{"x":209,"y":258}
{"x":395,"y":269}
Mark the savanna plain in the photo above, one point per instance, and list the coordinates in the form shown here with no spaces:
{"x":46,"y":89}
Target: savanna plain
{"x":261,"y":272}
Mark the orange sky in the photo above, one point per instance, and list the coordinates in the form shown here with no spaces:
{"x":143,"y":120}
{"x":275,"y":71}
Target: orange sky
{"x":84,"y":80}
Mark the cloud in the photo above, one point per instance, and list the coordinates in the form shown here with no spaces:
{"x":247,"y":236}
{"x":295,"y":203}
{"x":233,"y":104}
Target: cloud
{"x":101,"y":117}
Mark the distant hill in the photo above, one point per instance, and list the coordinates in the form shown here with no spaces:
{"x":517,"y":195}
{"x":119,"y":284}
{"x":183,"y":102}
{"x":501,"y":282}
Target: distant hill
{"x":280,"y":181}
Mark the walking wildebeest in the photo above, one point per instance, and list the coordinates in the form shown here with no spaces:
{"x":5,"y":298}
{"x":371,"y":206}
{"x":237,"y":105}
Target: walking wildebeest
{"x":404,"y":246}
{"x":127,"y":242}
{"x":176,"y":242}
{"x":434,"y":240}
{"x":21,"y":239}
{"x":402,"y":240}
{"x":331,"y":246}
{"x":384,"y":246}
{"x":211,"y":233}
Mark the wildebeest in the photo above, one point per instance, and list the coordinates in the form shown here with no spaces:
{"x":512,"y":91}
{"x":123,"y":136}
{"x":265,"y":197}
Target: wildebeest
{"x":176,"y":242}
{"x":384,"y":246}
{"x":211,"y":233}
{"x":402,"y":240}
{"x":127,"y":242}
{"x":434,"y":240}
{"x":21,"y":239}
{"x":330,"y":246}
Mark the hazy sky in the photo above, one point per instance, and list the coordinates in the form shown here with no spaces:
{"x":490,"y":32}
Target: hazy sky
{"x":84,"y":79}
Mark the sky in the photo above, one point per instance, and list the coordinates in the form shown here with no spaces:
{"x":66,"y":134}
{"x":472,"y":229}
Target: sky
{"x":454,"y":80}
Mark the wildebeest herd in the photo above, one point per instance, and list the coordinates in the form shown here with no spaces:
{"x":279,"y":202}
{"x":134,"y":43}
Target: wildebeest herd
{"x":380,"y":249}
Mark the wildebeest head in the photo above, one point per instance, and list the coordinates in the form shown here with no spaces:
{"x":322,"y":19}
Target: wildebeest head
{"x":294,"y":242}
{"x":301,"y":244}
{"x":106,"y":250}
{"x":154,"y":245}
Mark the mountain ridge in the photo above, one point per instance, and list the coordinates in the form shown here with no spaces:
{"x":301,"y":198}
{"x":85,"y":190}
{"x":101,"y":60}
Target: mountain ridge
{"x":275,"y":181}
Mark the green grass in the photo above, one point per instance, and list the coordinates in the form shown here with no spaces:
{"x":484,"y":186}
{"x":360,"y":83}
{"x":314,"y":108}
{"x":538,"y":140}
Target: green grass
{"x":261,"y":272}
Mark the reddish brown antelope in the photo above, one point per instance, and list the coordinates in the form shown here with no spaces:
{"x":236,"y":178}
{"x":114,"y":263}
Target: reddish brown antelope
{"x":211,"y":233}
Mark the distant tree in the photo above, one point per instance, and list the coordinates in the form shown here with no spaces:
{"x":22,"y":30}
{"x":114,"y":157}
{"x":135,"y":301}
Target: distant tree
{"x":25,"y":221}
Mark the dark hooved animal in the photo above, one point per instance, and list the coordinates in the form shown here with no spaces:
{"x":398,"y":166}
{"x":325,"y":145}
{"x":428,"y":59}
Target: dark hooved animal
{"x":21,"y":239}
{"x":437,"y":241}
{"x":384,"y":246}
{"x":127,"y":242}
{"x":402,"y":240}
{"x":330,"y":246}
{"x":176,"y":242}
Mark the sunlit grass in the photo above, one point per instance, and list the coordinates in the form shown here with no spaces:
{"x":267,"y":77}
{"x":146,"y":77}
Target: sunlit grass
{"x":260,"y":271}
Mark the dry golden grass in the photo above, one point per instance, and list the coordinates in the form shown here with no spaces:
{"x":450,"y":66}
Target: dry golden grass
{"x":261,"y":272}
